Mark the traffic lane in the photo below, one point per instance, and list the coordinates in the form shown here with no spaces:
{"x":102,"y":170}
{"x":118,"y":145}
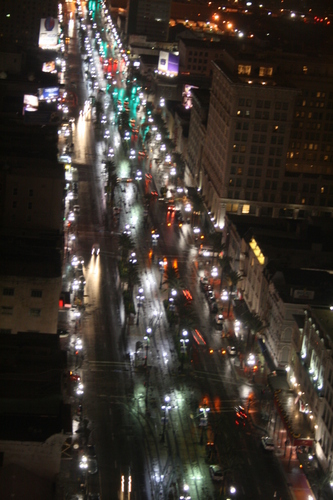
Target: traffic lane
{"x":258,"y":472}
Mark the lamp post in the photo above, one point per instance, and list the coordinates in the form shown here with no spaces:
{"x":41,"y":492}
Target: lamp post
{"x":184,"y":341}
{"x":166,"y":407}
{"x":162,"y":264}
{"x":147,"y":339}
{"x":203,"y":421}
{"x":140,"y":298}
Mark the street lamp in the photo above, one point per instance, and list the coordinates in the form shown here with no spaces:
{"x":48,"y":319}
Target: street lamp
{"x":162,"y":264}
{"x":147,"y":339}
{"x":165,"y":408}
{"x":173,"y":294}
{"x":184,"y":341}
{"x":186,"y":495}
{"x":140,"y":298}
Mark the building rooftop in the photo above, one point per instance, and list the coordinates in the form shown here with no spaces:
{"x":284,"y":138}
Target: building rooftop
{"x":27,"y":257}
{"x":31,"y":374}
{"x":302,"y":286}
{"x":324,"y":316}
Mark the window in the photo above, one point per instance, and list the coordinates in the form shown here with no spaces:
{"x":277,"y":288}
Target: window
{"x":249,"y":183}
{"x":31,"y":192}
{"x":7,"y":310}
{"x":9,"y":292}
{"x":244,"y":70}
{"x":257,"y":183}
{"x":35,"y":312}
{"x":15,"y":191}
{"x":251,"y":172}
{"x":36,"y":293}
{"x":274,"y":185}
{"x":14,"y":204}
{"x":263,"y":71}
{"x":30,"y":205}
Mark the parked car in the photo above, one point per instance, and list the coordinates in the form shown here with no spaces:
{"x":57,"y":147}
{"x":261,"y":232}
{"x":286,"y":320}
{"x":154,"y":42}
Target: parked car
{"x":267,"y":443}
{"x":218,"y":321}
{"x":92,"y":466}
{"x":231,"y":350}
{"x":204,"y":282}
{"x":216,"y":472}
{"x":213,"y":306}
{"x":91,"y":452}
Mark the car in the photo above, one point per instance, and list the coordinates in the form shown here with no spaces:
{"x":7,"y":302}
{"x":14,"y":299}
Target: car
{"x":91,"y":452}
{"x":94,"y":496}
{"x":75,"y":377}
{"x":267,"y":443}
{"x":204,"y":282}
{"x":209,"y":294}
{"x":62,"y":332}
{"x":241,"y":410}
{"x":76,"y":260}
{"x":216,"y":472}
{"x":107,"y":134}
{"x":95,"y":249}
{"x":240,"y":415}
{"x":92,"y":466}
{"x":213,"y":306}
{"x":218,"y":322}
{"x":231,"y":350}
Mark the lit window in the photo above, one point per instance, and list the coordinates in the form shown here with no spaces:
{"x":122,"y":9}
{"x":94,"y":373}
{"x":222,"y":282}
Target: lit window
{"x":263,"y":71}
{"x":305,"y":70}
{"x":322,"y":189}
{"x":244,"y":70}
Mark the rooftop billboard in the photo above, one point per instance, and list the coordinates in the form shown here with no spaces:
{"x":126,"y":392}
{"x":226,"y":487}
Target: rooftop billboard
{"x":168,"y":64}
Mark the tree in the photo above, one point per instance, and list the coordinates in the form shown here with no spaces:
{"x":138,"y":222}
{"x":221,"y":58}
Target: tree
{"x":224,"y":262}
{"x":187,"y":317}
{"x":126,"y":243}
{"x":133,"y":277}
{"x":172,"y":278}
{"x":254,"y":325}
{"x":233,"y":277}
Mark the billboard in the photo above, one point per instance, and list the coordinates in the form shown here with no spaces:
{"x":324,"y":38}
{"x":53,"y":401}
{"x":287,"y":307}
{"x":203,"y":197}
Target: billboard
{"x":48,"y":94}
{"x":48,"y":33}
{"x":168,"y":64}
{"x":49,"y":67}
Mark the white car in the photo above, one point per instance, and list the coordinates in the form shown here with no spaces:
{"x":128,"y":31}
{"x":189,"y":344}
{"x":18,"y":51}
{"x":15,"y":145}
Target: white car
{"x":95,"y":250}
{"x":231,"y":350}
{"x":268,"y":443}
{"x":216,"y":472}
{"x":218,"y":320}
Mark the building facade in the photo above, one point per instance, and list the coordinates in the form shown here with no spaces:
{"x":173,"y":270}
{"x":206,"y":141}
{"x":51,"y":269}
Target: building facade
{"x":149,"y":18}
{"x":267,"y":143}
{"x":311,"y":370}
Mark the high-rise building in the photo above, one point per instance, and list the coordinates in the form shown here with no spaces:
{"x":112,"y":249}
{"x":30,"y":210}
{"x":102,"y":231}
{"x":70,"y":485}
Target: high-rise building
{"x":267,"y":147}
{"x":149,"y":18}
{"x":20,"y":21}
